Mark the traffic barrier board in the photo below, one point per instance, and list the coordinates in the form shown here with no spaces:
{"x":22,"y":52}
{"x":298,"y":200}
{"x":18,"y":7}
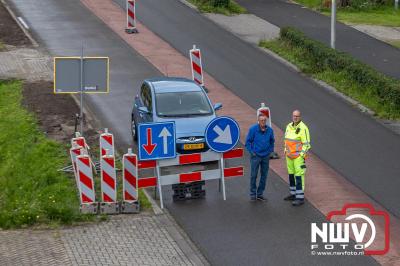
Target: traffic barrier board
{"x":196,"y":65}
{"x":131,"y":17}
{"x":106,"y":143}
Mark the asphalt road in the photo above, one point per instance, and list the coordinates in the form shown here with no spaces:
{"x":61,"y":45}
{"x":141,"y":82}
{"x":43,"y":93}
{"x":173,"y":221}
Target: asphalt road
{"x":377,"y":54}
{"x":229,"y":233}
{"x":352,"y":143}
{"x":63,"y":27}
{"x":240,"y":232}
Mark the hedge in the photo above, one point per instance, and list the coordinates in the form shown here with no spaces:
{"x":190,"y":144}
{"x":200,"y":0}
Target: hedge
{"x":384,"y":88}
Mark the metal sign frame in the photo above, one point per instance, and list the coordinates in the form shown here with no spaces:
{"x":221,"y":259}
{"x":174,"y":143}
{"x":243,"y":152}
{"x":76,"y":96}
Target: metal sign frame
{"x":81,"y":58}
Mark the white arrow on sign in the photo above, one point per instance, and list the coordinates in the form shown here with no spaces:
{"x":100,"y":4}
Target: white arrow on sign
{"x":224,"y":136}
{"x":165,"y":134}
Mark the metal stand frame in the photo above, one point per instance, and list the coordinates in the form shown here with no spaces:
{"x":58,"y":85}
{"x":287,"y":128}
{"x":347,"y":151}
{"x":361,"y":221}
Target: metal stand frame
{"x":130,"y":207}
{"x":109,"y":207}
{"x":131,"y":31}
{"x":89,"y":208}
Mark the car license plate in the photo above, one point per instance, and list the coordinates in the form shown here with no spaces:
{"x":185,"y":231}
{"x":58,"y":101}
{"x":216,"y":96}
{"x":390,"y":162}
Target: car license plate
{"x":193,"y":146}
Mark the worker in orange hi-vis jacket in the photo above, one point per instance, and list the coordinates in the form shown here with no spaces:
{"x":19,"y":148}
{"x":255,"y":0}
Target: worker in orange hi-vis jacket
{"x":297,"y":144}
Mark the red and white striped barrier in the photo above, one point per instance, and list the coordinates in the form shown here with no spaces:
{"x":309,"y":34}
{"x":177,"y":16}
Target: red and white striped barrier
{"x":130,"y":192}
{"x":131,"y":17}
{"x":201,"y":175}
{"x":184,"y":159}
{"x":108,"y":185}
{"x":196,"y":66}
{"x":80,"y":141}
{"x":86,"y":183}
{"x":74,"y":152}
{"x":130,"y":173}
{"x":108,"y":179}
{"x":265,"y":111}
{"x":106,"y":143}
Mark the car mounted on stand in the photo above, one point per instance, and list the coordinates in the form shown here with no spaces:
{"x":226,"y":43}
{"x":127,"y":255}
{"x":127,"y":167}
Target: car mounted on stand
{"x":183,"y":101}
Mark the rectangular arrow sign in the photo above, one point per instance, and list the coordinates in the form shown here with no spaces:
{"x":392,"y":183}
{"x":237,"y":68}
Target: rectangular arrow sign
{"x":156,"y":141}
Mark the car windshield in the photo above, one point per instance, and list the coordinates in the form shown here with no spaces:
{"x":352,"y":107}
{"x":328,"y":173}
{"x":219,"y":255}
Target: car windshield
{"x":176,"y":104}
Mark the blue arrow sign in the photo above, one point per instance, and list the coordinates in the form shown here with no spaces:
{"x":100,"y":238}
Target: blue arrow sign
{"x":222,"y":134}
{"x":156,"y":141}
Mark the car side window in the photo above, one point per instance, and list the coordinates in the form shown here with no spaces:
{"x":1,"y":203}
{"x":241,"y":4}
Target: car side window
{"x":145,"y":96}
{"x":142,"y":88}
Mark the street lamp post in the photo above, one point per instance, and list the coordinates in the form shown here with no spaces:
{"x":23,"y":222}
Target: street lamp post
{"x":333,"y":24}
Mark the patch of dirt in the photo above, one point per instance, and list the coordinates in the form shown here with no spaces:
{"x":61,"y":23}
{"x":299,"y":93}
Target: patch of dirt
{"x":10,"y":32}
{"x":55,"y":112}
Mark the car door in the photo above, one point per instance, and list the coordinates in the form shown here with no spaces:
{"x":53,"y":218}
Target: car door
{"x":145,"y":100}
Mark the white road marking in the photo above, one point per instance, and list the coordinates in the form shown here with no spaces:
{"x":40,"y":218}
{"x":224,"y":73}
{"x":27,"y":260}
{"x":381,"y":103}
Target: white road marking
{"x":23,"y":23}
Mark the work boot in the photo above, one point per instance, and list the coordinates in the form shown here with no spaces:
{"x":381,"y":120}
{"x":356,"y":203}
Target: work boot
{"x":297,"y":203}
{"x":290,"y":198}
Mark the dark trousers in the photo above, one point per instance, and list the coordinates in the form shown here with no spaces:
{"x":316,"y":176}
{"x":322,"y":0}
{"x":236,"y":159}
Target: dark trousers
{"x":257,"y":162}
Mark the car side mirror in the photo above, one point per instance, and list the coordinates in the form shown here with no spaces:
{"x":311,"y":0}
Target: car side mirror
{"x":143,"y":109}
{"x":217,"y":106}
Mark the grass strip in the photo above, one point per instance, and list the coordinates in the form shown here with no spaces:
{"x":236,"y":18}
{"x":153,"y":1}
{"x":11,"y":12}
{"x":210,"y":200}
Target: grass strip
{"x":394,"y":43}
{"x":208,"y":6}
{"x":382,"y":15}
{"x":31,"y":189}
{"x":144,"y":201}
{"x":353,"y":78}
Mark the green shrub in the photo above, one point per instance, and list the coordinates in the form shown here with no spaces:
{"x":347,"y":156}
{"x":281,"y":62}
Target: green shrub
{"x":364,"y":4}
{"x":220,"y":3}
{"x":385,"y":89}
{"x":226,"y":7}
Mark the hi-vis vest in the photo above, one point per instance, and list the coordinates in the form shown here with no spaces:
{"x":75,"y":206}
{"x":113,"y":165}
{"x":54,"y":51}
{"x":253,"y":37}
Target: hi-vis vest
{"x":297,"y":140}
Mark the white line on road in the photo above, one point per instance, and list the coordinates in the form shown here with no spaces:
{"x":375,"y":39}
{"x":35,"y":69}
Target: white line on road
{"x":23,"y":23}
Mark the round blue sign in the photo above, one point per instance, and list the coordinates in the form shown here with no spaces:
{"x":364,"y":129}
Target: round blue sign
{"x":222,"y":134}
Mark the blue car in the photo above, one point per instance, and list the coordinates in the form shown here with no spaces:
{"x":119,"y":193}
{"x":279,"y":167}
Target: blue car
{"x":175,"y":99}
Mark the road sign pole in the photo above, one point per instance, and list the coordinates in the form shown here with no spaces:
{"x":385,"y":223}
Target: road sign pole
{"x":159,"y":185}
{"x":221,"y":167}
{"x":396,"y":4}
{"x":333,"y":24}
{"x":81,"y":84}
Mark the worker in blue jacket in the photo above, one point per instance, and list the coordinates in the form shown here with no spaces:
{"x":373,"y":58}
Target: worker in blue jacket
{"x":260,"y":143}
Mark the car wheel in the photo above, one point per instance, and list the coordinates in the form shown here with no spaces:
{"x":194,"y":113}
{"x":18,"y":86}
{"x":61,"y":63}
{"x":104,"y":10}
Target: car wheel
{"x":134,"y":129}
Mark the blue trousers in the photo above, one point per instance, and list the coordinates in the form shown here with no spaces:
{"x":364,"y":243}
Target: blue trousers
{"x":257,"y":162}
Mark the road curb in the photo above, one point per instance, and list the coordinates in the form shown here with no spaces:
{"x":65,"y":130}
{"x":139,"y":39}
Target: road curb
{"x":177,"y":233}
{"x":392,"y":125}
{"x":27,"y":34}
{"x":321,"y":83}
{"x":157,"y":210}
{"x":184,"y":242}
{"x":189,"y":4}
{"x":290,"y":65}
